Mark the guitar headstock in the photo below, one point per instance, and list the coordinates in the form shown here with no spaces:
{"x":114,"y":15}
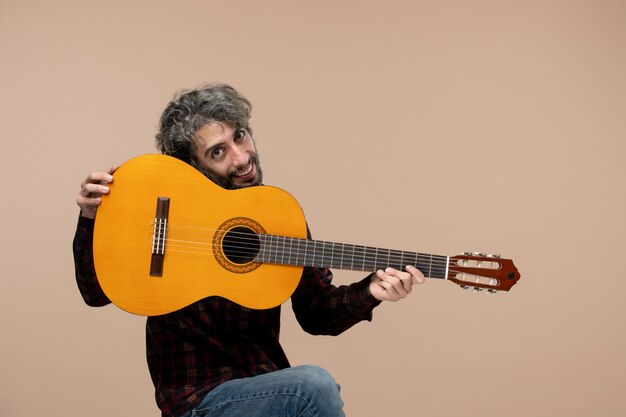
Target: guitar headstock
{"x":482,"y":272}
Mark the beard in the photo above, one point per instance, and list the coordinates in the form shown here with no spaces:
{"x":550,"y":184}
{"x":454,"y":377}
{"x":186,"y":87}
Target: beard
{"x":227,"y":183}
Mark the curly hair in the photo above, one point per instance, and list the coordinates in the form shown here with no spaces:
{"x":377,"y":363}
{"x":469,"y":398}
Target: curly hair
{"x":190,"y":110}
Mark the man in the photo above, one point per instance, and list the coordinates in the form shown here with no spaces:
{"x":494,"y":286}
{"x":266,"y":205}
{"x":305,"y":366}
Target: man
{"x":215,"y":357}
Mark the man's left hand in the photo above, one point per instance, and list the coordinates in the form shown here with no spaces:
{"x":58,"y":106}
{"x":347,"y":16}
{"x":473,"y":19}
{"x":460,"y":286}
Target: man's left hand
{"x":393,"y":285}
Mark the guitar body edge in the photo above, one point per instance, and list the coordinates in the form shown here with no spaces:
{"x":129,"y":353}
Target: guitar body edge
{"x":193,"y":264}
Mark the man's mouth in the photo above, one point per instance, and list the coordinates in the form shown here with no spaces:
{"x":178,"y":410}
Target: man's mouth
{"x":245,"y":174}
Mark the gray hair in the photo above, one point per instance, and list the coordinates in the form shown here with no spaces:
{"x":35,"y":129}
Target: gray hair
{"x":190,"y":110}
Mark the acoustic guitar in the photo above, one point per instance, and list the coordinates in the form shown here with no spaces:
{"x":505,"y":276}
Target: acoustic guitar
{"x":166,"y":236}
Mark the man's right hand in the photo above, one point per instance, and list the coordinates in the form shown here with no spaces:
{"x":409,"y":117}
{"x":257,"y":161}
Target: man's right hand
{"x":91,"y":191}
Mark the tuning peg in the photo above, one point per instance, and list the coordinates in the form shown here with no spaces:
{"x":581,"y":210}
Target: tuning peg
{"x":465,"y":287}
{"x":477,"y":289}
{"x":492,"y":291}
{"x":496,"y":255}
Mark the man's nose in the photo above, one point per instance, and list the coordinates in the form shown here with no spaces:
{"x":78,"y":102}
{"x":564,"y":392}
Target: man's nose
{"x":240,"y":157}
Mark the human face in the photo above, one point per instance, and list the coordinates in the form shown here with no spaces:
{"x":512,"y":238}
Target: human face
{"x":227,"y":156}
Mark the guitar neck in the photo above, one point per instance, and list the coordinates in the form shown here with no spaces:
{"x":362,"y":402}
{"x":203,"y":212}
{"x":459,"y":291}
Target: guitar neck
{"x":284,"y":250}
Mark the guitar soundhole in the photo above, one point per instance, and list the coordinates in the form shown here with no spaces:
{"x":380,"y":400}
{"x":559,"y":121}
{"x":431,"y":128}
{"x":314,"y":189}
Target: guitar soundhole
{"x":241,"y":245}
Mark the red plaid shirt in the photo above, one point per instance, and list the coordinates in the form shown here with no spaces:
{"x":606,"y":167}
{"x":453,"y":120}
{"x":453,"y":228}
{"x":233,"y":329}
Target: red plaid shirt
{"x":193,"y":350}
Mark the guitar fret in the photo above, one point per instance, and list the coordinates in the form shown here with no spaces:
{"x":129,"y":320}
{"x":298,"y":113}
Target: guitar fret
{"x":368,"y":265}
{"x":371,"y":265}
{"x":421,"y":265}
{"x":395,"y":261}
{"x":312,"y":261}
{"x":363,"y":259}
{"x":440,"y":268}
{"x":400,"y":255}
{"x":302,"y":252}
{"x":285,"y":250}
{"x":388,"y":262}
{"x":343,"y":246}
{"x":317,"y":261}
{"x":430,"y":266}
{"x":259,"y":255}
{"x":270,"y":247}
{"x":329,"y":254}
{"x":307,"y":252}
{"x":321,"y":262}
{"x":275,"y":242}
{"x":274,"y":249}
{"x":312,"y":252}
{"x":376,"y":259}
{"x":266,"y":245}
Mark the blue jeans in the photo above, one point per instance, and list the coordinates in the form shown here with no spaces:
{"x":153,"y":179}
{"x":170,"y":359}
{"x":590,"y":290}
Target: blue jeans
{"x":301,"y":391}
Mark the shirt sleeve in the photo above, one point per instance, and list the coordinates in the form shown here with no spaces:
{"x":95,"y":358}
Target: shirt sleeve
{"x":83,"y":264}
{"x":324,"y":309}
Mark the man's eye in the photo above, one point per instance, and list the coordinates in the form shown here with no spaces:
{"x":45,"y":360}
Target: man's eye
{"x":217,"y":152}
{"x":240,"y":134}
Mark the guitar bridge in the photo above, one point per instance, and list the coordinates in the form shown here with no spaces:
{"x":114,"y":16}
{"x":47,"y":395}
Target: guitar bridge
{"x":159,"y":234}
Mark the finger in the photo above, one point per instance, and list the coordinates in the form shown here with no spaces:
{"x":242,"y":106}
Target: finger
{"x":94,"y":190}
{"x":98,"y":178}
{"x":88,"y":202}
{"x":402,"y":278}
{"x":388,"y":292}
{"x":392,"y":285}
{"x":91,"y":190}
{"x":416,"y":274}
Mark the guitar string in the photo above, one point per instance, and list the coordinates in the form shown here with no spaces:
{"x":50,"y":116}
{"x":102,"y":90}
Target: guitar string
{"x":275,"y":239}
{"x":471,"y":278}
{"x":277,"y":244}
{"x":393,"y":256}
{"x":356,"y":262}
{"x":356,"y":258}
{"x":196,"y":229}
{"x":280,"y":257}
{"x":294,"y":257}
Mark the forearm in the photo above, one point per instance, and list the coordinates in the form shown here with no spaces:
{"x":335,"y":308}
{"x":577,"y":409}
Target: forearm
{"x":322,"y":308}
{"x":86,"y":278}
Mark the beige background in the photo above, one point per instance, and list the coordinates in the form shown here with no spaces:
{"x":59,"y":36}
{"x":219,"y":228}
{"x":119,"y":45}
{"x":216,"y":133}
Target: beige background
{"x":434,"y":126}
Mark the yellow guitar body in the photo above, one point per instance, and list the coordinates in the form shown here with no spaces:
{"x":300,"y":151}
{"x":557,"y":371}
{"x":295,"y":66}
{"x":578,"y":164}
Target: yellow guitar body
{"x":193,"y":264}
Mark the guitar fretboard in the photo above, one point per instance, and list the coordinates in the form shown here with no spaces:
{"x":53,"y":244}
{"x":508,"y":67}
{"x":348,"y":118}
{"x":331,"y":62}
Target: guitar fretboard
{"x":284,"y":250}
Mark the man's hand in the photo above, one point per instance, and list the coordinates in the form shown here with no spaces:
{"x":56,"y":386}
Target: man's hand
{"x":91,"y":191}
{"x":393,"y":285}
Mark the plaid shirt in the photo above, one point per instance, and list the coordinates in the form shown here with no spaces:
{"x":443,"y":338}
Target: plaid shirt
{"x":193,"y":350}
